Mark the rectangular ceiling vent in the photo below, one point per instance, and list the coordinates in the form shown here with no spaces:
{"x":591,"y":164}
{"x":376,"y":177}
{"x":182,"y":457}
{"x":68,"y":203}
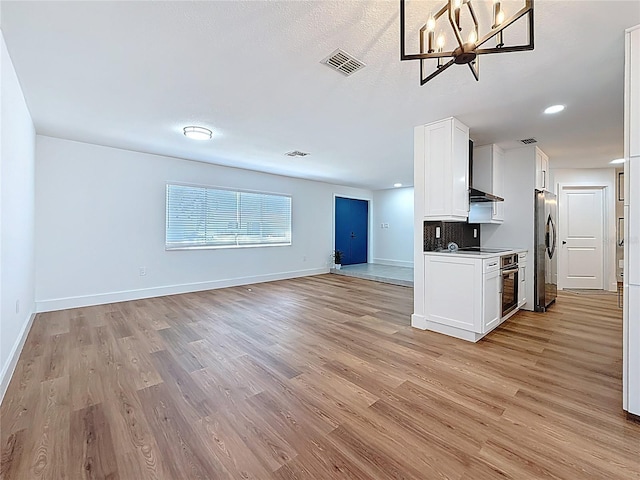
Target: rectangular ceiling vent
{"x":343,"y":62}
{"x":528,"y":141}
{"x":296,"y":153}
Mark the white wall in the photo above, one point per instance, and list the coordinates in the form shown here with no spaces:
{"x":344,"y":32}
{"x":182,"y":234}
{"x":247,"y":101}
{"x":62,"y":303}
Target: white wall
{"x":393,"y":244}
{"x":100,"y":216}
{"x":517,"y":231}
{"x":593,"y":177}
{"x":17,"y":144}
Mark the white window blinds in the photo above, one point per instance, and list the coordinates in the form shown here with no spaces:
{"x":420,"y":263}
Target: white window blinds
{"x":207,"y":217}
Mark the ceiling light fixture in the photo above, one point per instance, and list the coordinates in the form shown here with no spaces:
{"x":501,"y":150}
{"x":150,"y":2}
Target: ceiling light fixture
{"x":553,"y":109}
{"x":296,"y":153}
{"x":397,"y":185}
{"x":463,"y":50}
{"x":197,"y":133}
{"x":617,"y":160}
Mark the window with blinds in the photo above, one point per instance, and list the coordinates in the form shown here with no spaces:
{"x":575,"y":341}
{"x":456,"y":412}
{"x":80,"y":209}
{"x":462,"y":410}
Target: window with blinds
{"x":207,"y":217}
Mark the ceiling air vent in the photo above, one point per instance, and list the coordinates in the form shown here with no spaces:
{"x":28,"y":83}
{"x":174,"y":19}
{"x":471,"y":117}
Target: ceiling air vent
{"x":528,"y":141}
{"x":343,"y":62}
{"x":296,"y":153}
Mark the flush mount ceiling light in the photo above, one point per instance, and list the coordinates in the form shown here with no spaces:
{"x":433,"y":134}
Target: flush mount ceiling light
{"x":553,"y":109}
{"x":397,"y":185}
{"x":296,"y":153}
{"x":466,"y":43}
{"x":617,"y":160}
{"x":197,"y":133}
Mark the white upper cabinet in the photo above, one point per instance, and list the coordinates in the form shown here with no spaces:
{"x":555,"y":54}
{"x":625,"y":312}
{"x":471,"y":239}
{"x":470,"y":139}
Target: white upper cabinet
{"x":441,"y":162}
{"x":488,"y":176}
{"x":542,"y":171}
{"x":633,"y":94}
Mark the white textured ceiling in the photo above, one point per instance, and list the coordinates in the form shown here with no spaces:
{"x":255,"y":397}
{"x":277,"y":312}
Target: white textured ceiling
{"x":132,"y":74}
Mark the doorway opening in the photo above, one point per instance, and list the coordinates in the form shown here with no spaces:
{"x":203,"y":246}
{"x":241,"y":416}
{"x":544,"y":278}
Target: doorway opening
{"x":352,"y":229}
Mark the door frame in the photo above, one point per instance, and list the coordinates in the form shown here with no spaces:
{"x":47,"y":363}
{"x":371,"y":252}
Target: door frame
{"x":609,"y":280}
{"x":369,"y":201}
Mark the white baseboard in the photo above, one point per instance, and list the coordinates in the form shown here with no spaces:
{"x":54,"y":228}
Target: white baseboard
{"x":418,"y":321}
{"x":454,"y":331}
{"x":53,"y":304}
{"x":393,"y":263}
{"x":9,"y":367}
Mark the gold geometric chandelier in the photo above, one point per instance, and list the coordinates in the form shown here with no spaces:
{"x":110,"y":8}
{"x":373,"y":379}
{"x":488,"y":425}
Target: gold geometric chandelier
{"x":465,"y":44}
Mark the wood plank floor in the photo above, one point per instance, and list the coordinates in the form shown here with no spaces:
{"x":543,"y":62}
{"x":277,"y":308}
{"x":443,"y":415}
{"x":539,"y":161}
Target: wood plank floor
{"x":316,"y":378}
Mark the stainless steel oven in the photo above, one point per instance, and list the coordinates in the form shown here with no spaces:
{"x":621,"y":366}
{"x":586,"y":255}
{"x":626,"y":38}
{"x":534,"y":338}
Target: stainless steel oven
{"x":509,"y":272}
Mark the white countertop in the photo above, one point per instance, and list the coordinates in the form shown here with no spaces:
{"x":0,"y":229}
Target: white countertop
{"x":476,"y":254}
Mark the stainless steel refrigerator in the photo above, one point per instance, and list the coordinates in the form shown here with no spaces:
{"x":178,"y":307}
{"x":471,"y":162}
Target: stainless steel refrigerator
{"x":546,"y":255}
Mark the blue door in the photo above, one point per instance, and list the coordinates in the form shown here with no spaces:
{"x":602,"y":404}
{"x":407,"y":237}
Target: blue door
{"x":352,"y":226}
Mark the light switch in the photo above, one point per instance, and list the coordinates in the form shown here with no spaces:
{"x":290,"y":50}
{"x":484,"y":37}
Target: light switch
{"x":437,"y":232}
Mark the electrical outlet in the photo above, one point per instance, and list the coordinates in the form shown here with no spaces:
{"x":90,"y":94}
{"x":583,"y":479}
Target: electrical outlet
{"x":143,"y":271}
{"x":382,"y":225}
{"x":437,"y":232}
{"x":17,"y":306}
{"x":386,"y":225}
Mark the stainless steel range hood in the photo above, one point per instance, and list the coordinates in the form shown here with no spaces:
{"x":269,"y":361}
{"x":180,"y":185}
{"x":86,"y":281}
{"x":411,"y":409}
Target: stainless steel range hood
{"x":478,"y":196}
{"x":475,"y":195}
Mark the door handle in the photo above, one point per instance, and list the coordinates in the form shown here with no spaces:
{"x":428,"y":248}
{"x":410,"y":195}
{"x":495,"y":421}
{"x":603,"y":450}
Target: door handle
{"x":564,"y":242}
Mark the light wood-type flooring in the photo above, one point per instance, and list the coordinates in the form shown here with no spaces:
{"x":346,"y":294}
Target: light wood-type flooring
{"x":316,"y":378}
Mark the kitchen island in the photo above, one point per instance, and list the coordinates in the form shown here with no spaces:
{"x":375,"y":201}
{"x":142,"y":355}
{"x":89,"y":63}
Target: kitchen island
{"x":467,"y":294}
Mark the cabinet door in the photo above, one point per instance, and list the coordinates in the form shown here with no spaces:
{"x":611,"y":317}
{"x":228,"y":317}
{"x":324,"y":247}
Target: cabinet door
{"x":453,"y":292}
{"x":632,"y":222}
{"x":545,"y":172}
{"x":542,"y":170}
{"x":492,"y":308}
{"x":437,"y":170}
{"x":538,"y":169}
{"x":522,"y":285}
{"x":633,"y":349}
{"x":633,"y":90}
{"x":445,"y":154}
{"x":460,"y":170}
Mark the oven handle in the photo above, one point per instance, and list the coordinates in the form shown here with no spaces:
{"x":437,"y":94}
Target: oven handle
{"x":511,"y":270}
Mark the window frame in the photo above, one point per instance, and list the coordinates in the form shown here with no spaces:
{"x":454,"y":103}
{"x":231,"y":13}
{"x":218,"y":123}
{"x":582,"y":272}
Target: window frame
{"x":228,"y":189}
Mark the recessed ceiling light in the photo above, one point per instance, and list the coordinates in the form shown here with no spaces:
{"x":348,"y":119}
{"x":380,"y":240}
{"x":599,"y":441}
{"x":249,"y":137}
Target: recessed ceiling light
{"x":553,"y":109}
{"x":617,"y":160}
{"x":197,"y":133}
{"x":397,"y":185}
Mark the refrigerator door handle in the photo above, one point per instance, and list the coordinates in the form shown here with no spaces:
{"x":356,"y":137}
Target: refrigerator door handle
{"x":551,"y":248}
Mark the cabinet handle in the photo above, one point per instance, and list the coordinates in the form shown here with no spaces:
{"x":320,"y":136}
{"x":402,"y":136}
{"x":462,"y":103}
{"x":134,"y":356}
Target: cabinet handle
{"x":544,"y":179}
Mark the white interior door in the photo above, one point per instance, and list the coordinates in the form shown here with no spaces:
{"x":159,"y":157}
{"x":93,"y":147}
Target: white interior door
{"x":581,"y":213}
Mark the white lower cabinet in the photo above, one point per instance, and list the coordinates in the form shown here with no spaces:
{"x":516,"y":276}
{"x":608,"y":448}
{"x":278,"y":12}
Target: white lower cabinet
{"x":453,"y":292}
{"x":492,"y":309}
{"x":463,"y":296}
{"x":632,"y":292}
{"x":523,"y":265}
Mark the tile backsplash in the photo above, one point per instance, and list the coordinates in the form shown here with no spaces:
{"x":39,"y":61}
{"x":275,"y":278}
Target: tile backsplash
{"x":458,"y":232}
